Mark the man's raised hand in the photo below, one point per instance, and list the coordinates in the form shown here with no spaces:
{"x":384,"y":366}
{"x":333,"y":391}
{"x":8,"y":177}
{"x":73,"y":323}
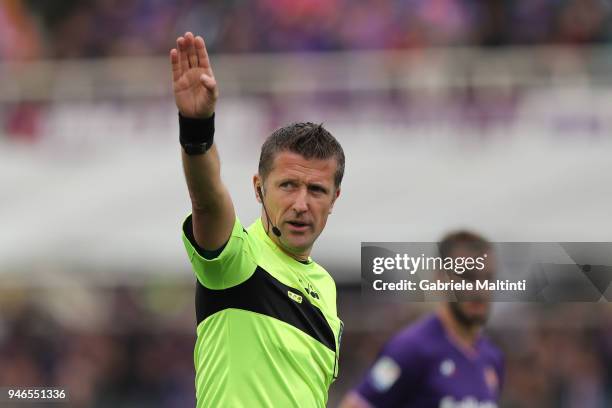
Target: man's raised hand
{"x":195,"y":88}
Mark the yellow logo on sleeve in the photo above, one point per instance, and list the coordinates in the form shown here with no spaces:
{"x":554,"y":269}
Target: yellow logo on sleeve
{"x":295,"y":297}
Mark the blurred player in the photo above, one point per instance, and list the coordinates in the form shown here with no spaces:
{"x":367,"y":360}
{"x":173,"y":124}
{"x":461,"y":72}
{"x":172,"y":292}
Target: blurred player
{"x":441,"y":361}
{"x":268,"y":331}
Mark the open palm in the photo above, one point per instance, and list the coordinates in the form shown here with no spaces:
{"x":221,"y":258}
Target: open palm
{"x":195,"y":88}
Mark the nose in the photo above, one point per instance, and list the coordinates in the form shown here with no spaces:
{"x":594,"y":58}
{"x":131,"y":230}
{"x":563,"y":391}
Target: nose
{"x":300,"y":205}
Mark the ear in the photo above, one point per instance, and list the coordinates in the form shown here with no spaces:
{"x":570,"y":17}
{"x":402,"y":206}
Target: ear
{"x":257,"y":184}
{"x":336,"y":195}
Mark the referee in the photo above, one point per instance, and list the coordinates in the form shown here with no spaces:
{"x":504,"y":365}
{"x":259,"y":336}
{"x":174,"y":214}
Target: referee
{"x":268,"y":334}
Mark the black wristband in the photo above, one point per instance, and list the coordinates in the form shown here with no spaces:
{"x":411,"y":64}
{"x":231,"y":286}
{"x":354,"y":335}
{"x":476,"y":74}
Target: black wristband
{"x":196,"y":135}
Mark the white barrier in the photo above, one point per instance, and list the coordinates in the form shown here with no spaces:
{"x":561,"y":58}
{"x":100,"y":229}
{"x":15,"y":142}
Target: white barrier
{"x":102,"y":193}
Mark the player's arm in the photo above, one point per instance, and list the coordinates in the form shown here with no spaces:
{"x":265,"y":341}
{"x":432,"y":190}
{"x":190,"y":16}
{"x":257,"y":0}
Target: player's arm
{"x":196,"y":94}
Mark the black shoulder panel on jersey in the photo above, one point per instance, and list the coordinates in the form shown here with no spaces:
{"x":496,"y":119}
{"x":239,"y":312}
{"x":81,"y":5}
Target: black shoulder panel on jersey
{"x":264,"y":294}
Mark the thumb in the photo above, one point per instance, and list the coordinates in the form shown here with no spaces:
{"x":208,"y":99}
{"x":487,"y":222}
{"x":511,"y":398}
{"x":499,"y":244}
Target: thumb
{"x":209,"y":82}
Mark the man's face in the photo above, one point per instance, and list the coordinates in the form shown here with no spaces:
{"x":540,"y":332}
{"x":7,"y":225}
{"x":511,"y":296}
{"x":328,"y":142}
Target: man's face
{"x":474,"y":310}
{"x":299,"y":195}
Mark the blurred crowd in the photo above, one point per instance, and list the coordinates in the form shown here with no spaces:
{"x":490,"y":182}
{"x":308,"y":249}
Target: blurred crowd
{"x":111,"y":348}
{"x":90,"y":28}
{"x":133,"y":347}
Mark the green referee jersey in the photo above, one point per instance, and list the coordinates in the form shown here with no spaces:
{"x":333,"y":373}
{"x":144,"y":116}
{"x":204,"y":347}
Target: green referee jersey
{"x":268,"y":333}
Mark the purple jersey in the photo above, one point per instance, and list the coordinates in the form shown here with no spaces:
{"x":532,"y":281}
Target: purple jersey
{"x":422,"y":367}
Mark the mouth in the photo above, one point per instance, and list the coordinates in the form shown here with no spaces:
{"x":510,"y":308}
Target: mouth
{"x":298,"y":226}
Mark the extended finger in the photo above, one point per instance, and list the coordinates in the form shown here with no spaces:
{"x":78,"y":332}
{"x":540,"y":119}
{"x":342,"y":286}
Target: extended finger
{"x":182,"y":54}
{"x":191,"y":53}
{"x":202,"y":53}
{"x":176,"y":66}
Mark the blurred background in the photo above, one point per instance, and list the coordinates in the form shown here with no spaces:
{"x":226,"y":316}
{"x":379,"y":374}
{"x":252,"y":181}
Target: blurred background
{"x":492,"y":115}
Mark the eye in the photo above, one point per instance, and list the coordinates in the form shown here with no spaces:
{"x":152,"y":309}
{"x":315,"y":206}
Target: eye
{"x":287,"y":184}
{"x":317,"y":190}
